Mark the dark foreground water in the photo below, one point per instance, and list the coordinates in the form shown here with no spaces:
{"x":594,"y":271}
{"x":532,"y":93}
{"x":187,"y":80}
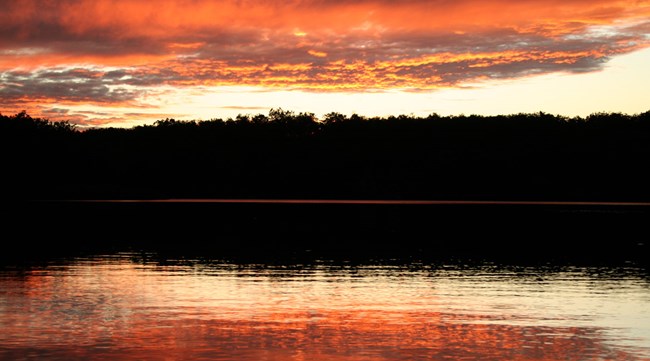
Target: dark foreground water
{"x":139,"y":306}
{"x":312,"y":280}
{"x":263,"y":230}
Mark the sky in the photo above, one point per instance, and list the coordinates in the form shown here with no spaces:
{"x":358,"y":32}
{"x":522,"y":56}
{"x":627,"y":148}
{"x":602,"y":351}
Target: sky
{"x":127,"y":62}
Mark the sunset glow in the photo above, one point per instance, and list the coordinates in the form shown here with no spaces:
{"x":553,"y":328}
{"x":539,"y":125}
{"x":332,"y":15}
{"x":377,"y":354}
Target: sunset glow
{"x":128,"y":311}
{"x":120,"y":63}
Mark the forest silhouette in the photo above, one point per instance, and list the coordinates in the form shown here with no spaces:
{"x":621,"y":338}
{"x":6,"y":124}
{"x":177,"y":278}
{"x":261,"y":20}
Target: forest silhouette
{"x":539,"y":156}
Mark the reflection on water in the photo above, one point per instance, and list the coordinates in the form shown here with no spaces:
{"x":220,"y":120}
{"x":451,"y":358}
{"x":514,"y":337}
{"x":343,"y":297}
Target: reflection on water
{"x":125,"y":307}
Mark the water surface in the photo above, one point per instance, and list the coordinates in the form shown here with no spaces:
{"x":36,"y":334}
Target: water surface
{"x":135,"y":307}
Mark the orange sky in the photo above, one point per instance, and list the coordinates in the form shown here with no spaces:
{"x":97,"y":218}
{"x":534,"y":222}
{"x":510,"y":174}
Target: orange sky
{"x":120,"y":62}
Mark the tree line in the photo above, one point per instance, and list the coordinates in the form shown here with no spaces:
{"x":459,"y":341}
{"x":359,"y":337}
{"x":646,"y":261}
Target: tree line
{"x":283,"y":154}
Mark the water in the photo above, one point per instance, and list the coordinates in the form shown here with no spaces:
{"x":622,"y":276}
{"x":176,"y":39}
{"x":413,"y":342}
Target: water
{"x":134,"y":307}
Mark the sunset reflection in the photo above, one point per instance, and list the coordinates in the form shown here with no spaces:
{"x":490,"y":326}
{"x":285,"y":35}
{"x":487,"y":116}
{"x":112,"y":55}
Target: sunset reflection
{"x":118,"y":309}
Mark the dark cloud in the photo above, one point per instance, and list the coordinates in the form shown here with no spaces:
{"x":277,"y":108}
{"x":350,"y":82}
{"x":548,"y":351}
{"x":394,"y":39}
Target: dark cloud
{"x":115,"y":51}
{"x":55,"y":111}
{"x":398,"y":59}
{"x":76,"y":85}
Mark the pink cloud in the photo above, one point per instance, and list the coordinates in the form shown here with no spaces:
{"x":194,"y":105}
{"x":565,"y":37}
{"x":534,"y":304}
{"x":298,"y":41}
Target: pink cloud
{"x":105,"y":52}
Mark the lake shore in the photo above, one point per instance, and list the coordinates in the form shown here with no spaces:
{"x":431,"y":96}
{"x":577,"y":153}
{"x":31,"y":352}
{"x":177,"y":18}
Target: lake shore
{"x":511,"y":231}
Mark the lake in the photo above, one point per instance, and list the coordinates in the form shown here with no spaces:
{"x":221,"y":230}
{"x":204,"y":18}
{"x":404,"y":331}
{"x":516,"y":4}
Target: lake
{"x":260,"y":230}
{"x":324,"y":280}
{"x":144,"y":306}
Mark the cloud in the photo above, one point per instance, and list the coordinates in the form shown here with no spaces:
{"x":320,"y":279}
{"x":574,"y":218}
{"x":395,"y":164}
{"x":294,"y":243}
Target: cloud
{"x":111,"y":52}
{"x":68,"y":85}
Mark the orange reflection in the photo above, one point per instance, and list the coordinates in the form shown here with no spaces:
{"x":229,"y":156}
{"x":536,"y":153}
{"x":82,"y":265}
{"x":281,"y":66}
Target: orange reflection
{"x":128,"y":312}
{"x":329,"y":335}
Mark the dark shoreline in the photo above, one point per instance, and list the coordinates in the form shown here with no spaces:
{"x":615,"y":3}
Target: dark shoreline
{"x":562,"y":165}
{"x":509,"y":232}
{"x":521,"y":157}
{"x":586,"y":204}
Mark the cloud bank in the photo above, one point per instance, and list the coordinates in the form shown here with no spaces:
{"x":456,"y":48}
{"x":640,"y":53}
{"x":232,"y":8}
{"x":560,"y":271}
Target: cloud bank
{"x":123,"y":53}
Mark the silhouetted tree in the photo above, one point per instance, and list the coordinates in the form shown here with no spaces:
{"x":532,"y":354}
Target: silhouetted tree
{"x":288,"y":154}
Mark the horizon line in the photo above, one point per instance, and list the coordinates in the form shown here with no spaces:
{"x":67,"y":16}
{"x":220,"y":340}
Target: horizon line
{"x":352,"y":202}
